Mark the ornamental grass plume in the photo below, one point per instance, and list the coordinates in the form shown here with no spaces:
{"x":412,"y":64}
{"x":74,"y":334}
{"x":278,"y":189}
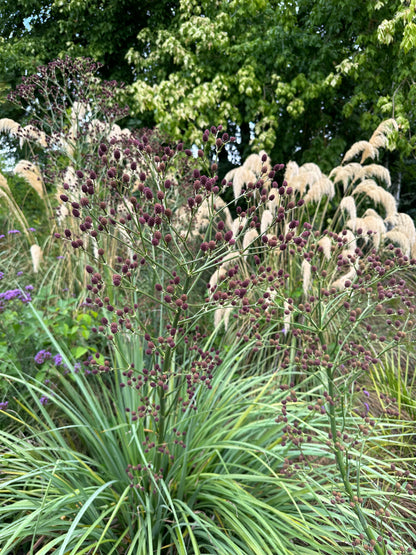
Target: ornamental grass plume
{"x":37,"y":255}
{"x":378,"y":195}
{"x":32,"y":175}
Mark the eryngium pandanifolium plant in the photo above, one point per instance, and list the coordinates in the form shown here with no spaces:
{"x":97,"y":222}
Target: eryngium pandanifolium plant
{"x":154,"y":292}
{"x":300,"y":411}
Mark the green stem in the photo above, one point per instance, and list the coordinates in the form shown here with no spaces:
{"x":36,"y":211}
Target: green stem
{"x":162,"y":397}
{"x":341,"y":467}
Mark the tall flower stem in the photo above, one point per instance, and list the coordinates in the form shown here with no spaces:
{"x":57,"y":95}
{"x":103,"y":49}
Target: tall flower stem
{"x":341,"y":466}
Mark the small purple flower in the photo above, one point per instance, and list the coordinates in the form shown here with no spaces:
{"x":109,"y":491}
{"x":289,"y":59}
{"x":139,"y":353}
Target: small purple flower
{"x":11,"y":294}
{"x":2,"y":236}
{"x":29,"y":287}
{"x":57,"y":360}
{"x":1,"y":275}
{"x":77,"y":367}
{"x":43,"y":400}
{"x":59,"y":257}
{"x":41,"y":356}
{"x":13,"y":231}
{"x":366,"y":393}
{"x":367,"y":408}
{"x":3,"y":405}
{"x":19,"y":273}
{"x":32,"y":229}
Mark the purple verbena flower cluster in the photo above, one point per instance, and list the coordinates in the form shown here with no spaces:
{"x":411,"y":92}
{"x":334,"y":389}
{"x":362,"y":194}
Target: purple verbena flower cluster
{"x":41,"y":356}
{"x":15,"y":294}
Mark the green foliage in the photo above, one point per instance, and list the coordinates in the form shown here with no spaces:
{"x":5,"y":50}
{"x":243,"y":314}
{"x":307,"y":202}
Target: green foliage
{"x":22,"y":336}
{"x":33,"y":33}
{"x":259,"y":440}
{"x":305,"y":74}
{"x":311,"y":76}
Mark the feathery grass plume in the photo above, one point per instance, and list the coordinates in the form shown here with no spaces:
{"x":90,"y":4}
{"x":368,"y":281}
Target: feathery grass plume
{"x":365,"y":148}
{"x":216,"y":276}
{"x":201,"y":219}
{"x":16,"y":212}
{"x":379,"y":195}
{"x":36,"y":253}
{"x":347,"y":204}
{"x":73,"y":192}
{"x":31,"y":174}
{"x":351,"y":243}
{"x":274,"y":203}
{"x":229,"y":176}
{"x":254,"y":163}
{"x":266,"y":221}
{"x":9,"y":126}
{"x":346,"y":174}
{"x":96,"y":130}
{"x":349,"y":276}
{"x":241,"y":177}
{"x":221,"y":206}
{"x":377,"y":171}
{"x":380,"y":137}
{"x":325,"y":244}
{"x":403,"y":223}
{"x":250,"y":236}
{"x":400,"y":239}
{"x":4,"y":184}
{"x":115,"y":132}
{"x":237,"y":224}
{"x":29,"y":133}
{"x":373,"y":222}
{"x":79,"y":111}
{"x":311,"y":167}
{"x":292,"y":170}
{"x":222,"y":316}
{"x":322,"y":188}
{"x":306,"y":276}
{"x":308,"y":174}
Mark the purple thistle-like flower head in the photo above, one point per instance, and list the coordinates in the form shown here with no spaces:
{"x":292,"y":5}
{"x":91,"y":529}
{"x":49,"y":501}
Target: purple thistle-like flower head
{"x":43,"y":400}
{"x":57,"y":360}
{"x":3,"y":405}
{"x":41,"y":356}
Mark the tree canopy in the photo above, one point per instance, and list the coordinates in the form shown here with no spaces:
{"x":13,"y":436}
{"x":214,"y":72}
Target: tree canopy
{"x":310,"y":77}
{"x":35,"y":32}
{"x":303,"y":79}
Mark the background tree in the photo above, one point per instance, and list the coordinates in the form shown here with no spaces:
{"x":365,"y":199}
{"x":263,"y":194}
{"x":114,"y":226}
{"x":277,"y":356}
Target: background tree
{"x":303,"y":79}
{"x":34,"y":32}
{"x":309,"y":76}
